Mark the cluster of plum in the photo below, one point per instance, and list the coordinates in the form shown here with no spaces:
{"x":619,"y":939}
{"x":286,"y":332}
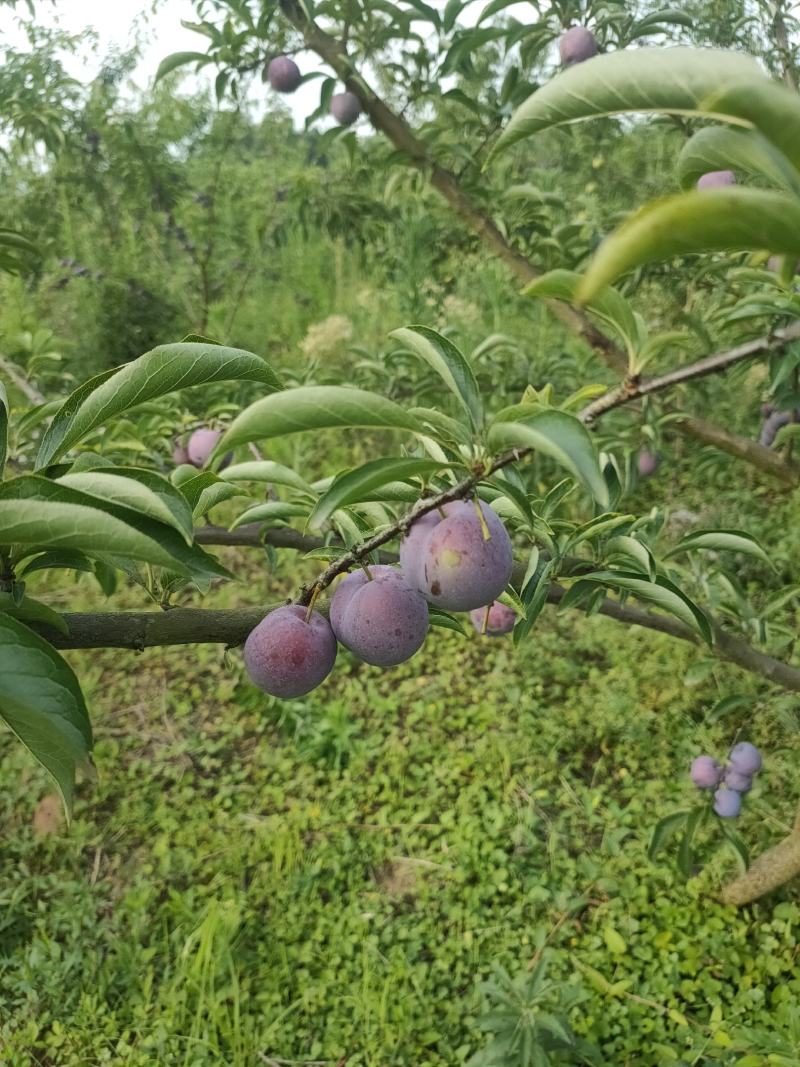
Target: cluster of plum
{"x":283,"y":74}
{"x":197,"y":449}
{"x":730,"y":781}
{"x":457,"y":558}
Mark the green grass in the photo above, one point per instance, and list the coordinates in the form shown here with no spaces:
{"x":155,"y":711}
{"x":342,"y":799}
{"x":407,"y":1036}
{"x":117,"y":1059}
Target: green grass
{"x":330,"y":879}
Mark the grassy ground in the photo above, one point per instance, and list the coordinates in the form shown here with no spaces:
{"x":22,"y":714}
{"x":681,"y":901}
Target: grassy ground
{"x":330,"y":879}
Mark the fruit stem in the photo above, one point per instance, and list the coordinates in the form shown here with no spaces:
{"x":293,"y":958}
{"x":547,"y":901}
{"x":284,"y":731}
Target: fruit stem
{"x":486,"y":535}
{"x":312,"y":601}
{"x":485,"y":625}
{"x":366,"y":570}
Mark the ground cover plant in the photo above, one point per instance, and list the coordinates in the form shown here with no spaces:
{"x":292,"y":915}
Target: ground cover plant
{"x":365,"y":828}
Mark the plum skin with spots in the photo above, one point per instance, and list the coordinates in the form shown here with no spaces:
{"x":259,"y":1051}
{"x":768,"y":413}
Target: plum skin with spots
{"x":381,"y":619}
{"x":576,"y":45}
{"x":412,"y":547}
{"x":745,"y":758}
{"x":727,"y":803}
{"x":500,"y":621}
{"x":345,"y":108}
{"x":458,"y":568}
{"x":283,"y":74}
{"x":287,"y":656}
{"x":706,"y":773}
{"x":716,"y":179}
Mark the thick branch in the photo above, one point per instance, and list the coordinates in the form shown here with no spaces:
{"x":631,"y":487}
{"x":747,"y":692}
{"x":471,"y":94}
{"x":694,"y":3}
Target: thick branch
{"x":718,"y":363}
{"x":769,"y":871}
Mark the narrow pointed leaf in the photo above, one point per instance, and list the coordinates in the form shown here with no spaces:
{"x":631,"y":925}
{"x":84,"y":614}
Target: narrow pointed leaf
{"x":556,"y":434}
{"x":359,"y":484}
{"x":141,"y":490}
{"x":740,"y":150}
{"x":722,"y":540}
{"x":32,"y":611}
{"x":314,"y":408}
{"x":265,"y":470}
{"x":708,"y":220}
{"x":449,"y":363}
{"x":661,"y":592}
{"x":272,"y":511}
{"x":4,"y":410}
{"x":155,"y":374}
{"x":41,"y":702}
{"x":723,"y":85}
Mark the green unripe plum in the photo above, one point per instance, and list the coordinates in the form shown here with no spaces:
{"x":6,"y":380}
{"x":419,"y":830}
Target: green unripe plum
{"x":381,"y":619}
{"x":287,"y":656}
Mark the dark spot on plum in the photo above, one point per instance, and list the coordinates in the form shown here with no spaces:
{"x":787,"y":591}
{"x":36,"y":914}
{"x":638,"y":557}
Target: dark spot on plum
{"x":436,"y":588}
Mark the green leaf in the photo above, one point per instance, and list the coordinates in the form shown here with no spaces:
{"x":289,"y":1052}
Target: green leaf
{"x":314,"y":407}
{"x":635,"y":550}
{"x":556,"y":434}
{"x":708,"y":220}
{"x":358,"y":484}
{"x":265,"y":470}
{"x":44,"y":514}
{"x":615,"y":943}
{"x":449,"y":363}
{"x":685,"y":849}
{"x":661,"y":592}
{"x":722,"y":541}
{"x":28,"y":610}
{"x":609,"y":306}
{"x":732,"y":148}
{"x":59,"y":560}
{"x":663,"y":830}
{"x":141,"y":490}
{"x":42,"y":703}
{"x":444,"y":620}
{"x":155,"y":374}
{"x":4,"y":410}
{"x":738,"y":847}
{"x":687,"y":81}
{"x":272,"y":511}
{"x":179,"y":59}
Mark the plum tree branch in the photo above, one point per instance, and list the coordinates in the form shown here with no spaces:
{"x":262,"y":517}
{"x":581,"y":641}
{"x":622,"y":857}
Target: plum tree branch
{"x":446,"y":182}
{"x":184,"y":626}
{"x":15,"y":375}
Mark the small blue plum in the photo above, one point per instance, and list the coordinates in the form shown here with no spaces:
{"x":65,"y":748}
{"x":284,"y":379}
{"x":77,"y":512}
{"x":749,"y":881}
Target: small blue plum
{"x":500,"y":619}
{"x":772,"y":423}
{"x":716,"y":179}
{"x":745,"y":758}
{"x":740,"y":783}
{"x":345,"y":108}
{"x":283,"y":74}
{"x":705,"y":773}
{"x":287,"y":656}
{"x":576,"y":45}
{"x":381,"y":619}
{"x":466,"y":560}
{"x":727,"y":803}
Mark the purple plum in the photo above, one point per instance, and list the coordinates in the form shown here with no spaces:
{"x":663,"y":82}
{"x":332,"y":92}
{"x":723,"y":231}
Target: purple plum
{"x":464,"y":563}
{"x":381,"y":619}
{"x":179,"y":453}
{"x":647,"y":462}
{"x":740,"y":783}
{"x":706,"y":773}
{"x":727,"y":803}
{"x":500,"y":619}
{"x":716,"y":179}
{"x":287,"y":656}
{"x":200,"y":446}
{"x":745,"y":758}
{"x":576,"y":45}
{"x":345,"y":108}
{"x":283,"y":74}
